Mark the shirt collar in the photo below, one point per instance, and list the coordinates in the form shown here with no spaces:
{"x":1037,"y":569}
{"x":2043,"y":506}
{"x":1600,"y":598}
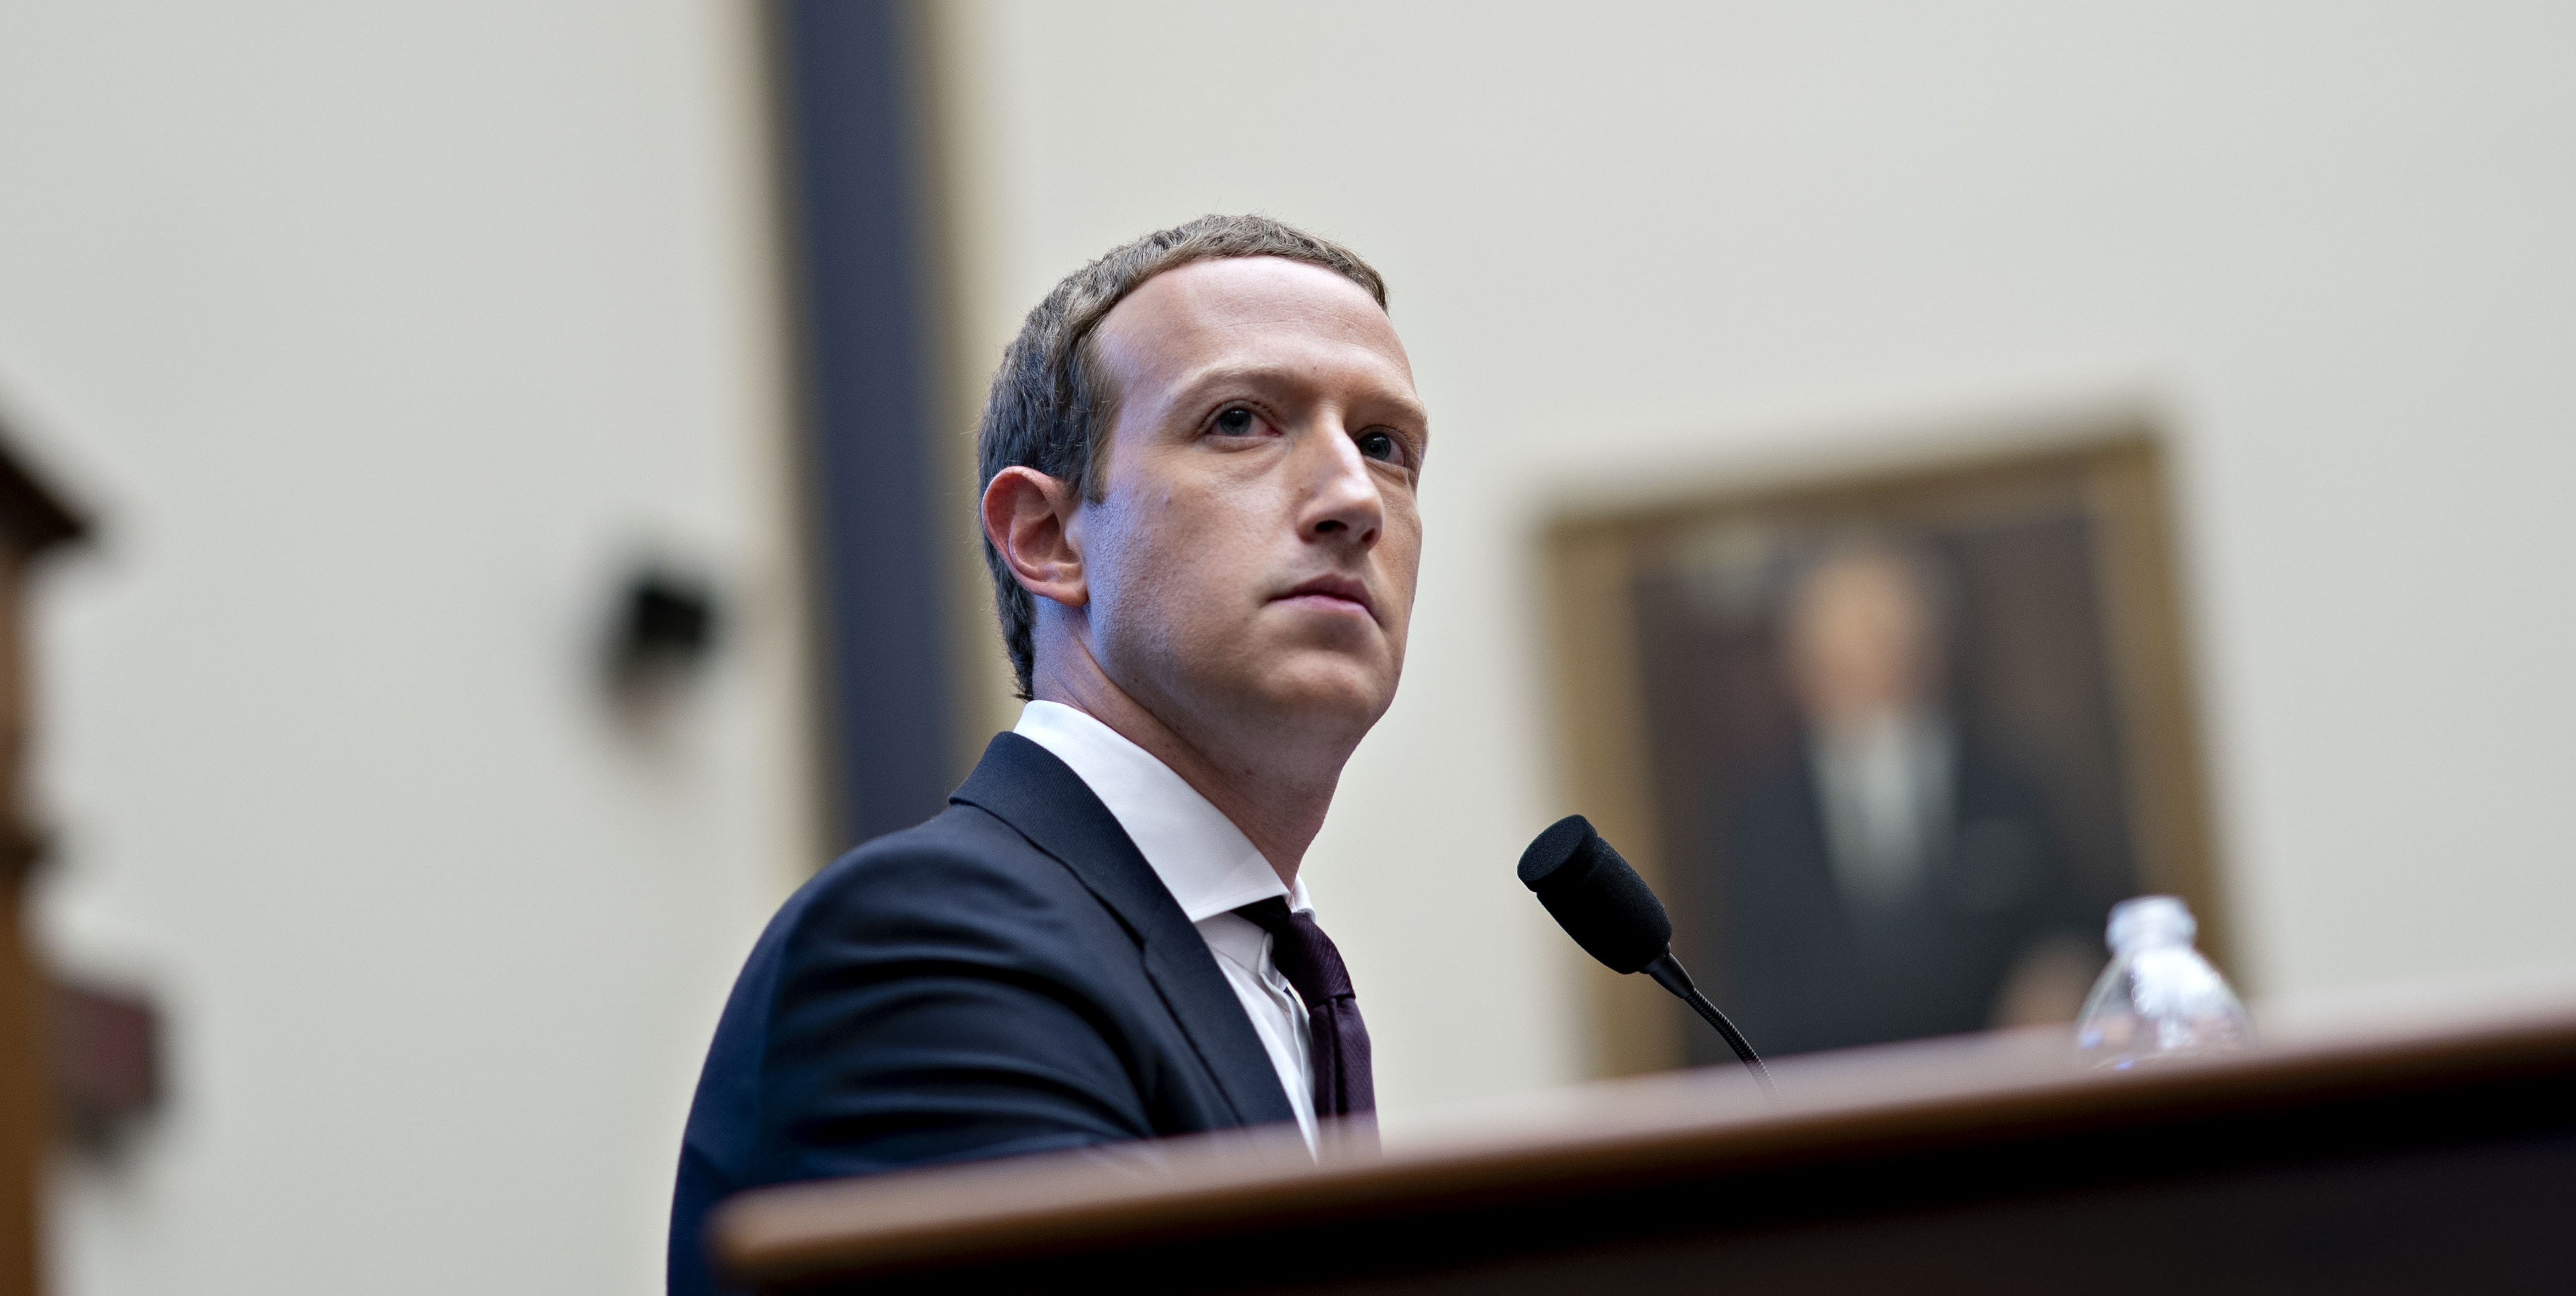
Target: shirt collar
{"x":1206,"y":862}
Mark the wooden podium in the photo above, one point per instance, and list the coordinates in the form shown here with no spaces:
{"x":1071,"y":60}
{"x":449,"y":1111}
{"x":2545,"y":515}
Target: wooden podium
{"x":2420,"y":1161}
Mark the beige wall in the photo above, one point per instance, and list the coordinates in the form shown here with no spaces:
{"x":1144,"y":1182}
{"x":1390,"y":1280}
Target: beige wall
{"x":2324,"y":244}
{"x":380,"y":336}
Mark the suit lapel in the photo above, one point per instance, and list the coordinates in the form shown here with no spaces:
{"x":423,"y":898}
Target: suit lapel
{"x":1025,"y":786}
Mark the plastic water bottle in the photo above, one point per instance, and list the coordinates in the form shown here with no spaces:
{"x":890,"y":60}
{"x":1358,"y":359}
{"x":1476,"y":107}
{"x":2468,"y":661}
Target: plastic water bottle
{"x":2159,"y":999}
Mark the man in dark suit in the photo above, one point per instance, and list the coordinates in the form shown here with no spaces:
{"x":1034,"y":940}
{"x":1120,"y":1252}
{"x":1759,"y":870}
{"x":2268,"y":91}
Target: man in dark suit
{"x":1895,"y":878}
{"x":1810,"y":966}
{"x":1199,"y":463}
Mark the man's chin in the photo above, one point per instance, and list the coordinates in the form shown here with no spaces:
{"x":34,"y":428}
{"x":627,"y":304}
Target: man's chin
{"x":1328,"y":689}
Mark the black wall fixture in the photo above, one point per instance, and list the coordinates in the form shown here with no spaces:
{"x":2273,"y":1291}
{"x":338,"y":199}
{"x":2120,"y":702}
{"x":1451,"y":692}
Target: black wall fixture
{"x":664,"y":626}
{"x":848,"y":114}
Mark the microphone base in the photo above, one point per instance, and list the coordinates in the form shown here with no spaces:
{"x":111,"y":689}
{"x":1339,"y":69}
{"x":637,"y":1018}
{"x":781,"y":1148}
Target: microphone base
{"x":1667,"y":972}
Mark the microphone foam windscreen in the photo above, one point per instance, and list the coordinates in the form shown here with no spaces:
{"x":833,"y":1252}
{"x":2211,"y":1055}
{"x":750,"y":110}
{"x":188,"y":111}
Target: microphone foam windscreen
{"x":1595,"y":896}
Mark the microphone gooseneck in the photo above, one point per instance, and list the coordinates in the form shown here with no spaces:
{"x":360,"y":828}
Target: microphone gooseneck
{"x":1667,"y":972}
{"x":1610,"y":911}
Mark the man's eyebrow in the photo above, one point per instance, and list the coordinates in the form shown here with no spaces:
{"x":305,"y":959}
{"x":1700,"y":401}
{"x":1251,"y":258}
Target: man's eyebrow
{"x":1410,"y":408}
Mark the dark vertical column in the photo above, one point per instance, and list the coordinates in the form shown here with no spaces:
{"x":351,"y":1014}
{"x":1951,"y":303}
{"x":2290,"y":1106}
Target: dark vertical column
{"x":848,"y":114}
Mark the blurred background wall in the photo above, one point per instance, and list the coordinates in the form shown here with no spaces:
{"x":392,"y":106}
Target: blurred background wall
{"x":383,"y":340}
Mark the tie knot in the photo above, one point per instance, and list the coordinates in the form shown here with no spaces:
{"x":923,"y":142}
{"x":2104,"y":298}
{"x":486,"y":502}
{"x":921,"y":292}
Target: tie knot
{"x":1301,"y":951}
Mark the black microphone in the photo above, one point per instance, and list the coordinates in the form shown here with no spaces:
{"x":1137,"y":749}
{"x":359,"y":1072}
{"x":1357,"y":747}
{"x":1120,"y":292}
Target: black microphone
{"x":1610,"y":911}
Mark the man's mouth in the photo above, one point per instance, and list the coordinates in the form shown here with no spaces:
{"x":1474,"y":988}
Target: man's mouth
{"x":1332,"y":593}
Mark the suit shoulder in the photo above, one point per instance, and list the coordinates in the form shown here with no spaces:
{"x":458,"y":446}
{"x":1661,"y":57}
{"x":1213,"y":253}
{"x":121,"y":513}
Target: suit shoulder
{"x":964,"y":875}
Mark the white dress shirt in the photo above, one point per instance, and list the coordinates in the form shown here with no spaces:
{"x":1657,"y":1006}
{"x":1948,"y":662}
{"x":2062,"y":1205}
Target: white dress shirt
{"x":1885,"y":786}
{"x":1207,"y":864}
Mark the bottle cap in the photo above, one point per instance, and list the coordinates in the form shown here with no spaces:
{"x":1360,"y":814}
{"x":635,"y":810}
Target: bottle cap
{"x":2150,"y":920}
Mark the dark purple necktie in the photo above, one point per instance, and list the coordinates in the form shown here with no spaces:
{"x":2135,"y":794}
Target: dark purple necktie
{"x":1305,"y":955}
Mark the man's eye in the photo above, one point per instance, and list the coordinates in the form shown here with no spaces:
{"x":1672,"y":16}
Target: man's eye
{"x":1380,"y":445}
{"x":1235,"y":422}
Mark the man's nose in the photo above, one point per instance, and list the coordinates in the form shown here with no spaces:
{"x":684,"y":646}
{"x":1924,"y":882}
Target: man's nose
{"x":1342,"y":501}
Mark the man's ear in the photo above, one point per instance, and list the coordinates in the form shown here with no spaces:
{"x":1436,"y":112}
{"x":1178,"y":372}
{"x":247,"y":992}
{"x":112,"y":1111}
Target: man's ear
{"x":1027,"y":516}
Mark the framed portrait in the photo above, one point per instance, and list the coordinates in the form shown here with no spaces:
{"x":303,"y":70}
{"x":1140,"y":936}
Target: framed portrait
{"x":1889,"y":742}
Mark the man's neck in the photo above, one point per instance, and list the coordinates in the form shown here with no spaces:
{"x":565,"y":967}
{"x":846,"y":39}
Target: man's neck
{"x":1277,"y":799}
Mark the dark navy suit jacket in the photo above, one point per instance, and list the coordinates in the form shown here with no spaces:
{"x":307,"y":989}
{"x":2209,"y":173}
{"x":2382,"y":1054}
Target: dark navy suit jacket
{"x":1009,"y":977}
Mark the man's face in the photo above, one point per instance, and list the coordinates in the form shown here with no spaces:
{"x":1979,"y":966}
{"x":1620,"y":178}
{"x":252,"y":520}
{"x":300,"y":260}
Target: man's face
{"x":1254,"y":550}
{"x":1860,"y":641}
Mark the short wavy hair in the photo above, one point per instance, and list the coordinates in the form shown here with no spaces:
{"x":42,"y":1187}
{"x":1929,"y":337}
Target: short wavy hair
{"x":1051,"y":408}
